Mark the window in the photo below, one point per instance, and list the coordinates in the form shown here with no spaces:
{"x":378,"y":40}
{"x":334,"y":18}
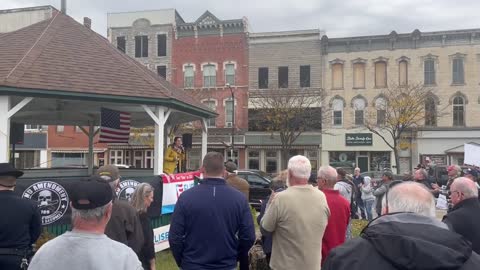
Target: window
{"x":313,"y":157}
{"x":337,"y":76}
{"x":429,"y":72}
{"x":138,"y":159}
{"x":68,"y":159}
{"x":381,"y":106}
{"x":60,"y":129}
{"x":33,"y":127}
{"x":430,"y":112}
{"x":212,"y":105}
{"x":141,"y":46}
{"x":148,"y":159}
{"x":283,"y":77}
{"x":403,"y":73}
{"x":359,"y":75}
{"x":304,"y":76}
{"x":337,"y":106}
{"x":162,"y":71}
{"x":116,"y":157}
{"x":381,"y":74}
{"x":254,"y":160}
{"x":188,"y":76}
{"x":121,"y":43}
{"x":458,"y":111}
{"x":229,"y":109}
{"x":263,"y":78}
{"x":272,"y":162}
{"x":229,"y":155}
{"x":209,"y":76}
{"x":127,"y":157}
{"x":162,"y":45}
{"x":359,"y":108}
{"x":457,"y":71}
{"x":230,"y":74}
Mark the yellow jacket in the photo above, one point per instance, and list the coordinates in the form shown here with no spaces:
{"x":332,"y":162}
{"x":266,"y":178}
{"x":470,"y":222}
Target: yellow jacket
{"x":170,"y":160}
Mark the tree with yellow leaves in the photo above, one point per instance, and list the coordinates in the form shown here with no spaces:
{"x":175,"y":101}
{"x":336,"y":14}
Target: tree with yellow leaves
{"x":401,"y":113}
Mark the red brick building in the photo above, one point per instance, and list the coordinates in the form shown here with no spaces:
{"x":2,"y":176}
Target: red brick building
{"x":210,"y":59}
{"x":68,"y":146}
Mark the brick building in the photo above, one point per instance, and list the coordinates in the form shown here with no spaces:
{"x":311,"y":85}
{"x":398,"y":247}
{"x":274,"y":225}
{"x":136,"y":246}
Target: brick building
{"x":201,"y":57}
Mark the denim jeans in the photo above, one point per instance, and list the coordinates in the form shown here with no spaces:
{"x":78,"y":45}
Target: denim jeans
{"x":368,"y":207}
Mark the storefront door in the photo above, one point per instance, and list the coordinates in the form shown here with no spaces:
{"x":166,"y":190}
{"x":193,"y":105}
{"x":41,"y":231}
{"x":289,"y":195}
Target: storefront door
{"x":363,"y":163}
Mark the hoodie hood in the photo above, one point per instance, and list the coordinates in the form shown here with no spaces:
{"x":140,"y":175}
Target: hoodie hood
{"x":411,"y":241}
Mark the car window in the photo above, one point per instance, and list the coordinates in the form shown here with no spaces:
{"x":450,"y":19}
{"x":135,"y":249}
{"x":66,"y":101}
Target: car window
{"x":256,"y":180}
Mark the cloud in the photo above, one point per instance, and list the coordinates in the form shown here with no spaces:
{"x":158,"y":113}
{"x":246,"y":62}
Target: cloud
{"x":338,"y":18}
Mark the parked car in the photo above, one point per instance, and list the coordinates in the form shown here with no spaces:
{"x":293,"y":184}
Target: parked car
{"x":259,"y":186}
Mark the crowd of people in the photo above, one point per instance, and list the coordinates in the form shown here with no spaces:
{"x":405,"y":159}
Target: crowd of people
{"x":302,"y":226}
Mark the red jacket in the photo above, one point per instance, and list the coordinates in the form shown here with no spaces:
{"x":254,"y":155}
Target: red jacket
{"x":337,"y":222}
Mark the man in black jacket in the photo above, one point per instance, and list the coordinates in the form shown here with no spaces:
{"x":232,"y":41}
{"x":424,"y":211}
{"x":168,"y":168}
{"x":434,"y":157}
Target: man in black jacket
{"x":407,"y":236}
{"x":20,"y":225}
{"x":464,"y":218}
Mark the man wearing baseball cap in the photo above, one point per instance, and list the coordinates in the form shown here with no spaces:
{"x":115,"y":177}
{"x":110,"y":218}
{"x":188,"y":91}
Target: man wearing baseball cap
{"x":124,"y":225}
{"x":20,"y":225}
{"x":86,"y":246}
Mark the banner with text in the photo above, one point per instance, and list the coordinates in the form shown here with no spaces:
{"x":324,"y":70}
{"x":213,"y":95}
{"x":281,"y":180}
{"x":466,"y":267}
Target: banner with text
{"x":160,"y":238}
{"x":173,"y":186}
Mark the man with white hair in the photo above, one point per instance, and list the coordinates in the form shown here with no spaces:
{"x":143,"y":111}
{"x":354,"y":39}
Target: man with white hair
{"x":407,"y":236}
{"x":86,"y":247}
{"x":339,"y":211}
{"x":464,"y":218}
{"x":297,"y":217}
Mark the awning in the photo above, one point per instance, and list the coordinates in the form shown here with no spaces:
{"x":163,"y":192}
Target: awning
{"x":77,"y":151}
{"x":279,"y":147}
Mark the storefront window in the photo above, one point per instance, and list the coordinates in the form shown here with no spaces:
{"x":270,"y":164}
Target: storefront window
{"x":254,"y":160}
{"x":272,"y":162}
{"x":193,"y":160}
{"x":379,"y":161}
{"x":229,"y":156}
{"x":345,"y":160}
{"x":313,"y":157}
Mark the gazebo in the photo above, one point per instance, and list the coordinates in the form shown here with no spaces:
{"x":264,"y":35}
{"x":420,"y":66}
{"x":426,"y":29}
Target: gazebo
{"x":60,"y":72}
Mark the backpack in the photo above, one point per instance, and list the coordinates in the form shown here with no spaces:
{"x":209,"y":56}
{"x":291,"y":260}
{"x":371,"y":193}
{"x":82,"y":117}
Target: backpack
{"x":257,"y":260}
{"x":353,"y":203}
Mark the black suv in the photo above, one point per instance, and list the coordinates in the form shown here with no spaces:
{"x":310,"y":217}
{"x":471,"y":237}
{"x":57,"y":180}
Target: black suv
{"x":259,"y":186}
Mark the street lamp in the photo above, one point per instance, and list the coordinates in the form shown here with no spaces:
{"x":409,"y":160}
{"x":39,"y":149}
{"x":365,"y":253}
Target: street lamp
{"x":233,"y":120}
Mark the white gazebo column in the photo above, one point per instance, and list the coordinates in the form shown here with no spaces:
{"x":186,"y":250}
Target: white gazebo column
{"x":4,"y":129}
{"x":160,"y":116}
{"x":5,"y":114}
{"x":204,"y":138}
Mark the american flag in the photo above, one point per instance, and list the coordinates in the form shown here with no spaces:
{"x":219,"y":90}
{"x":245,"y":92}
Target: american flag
{"x":114,"y":127}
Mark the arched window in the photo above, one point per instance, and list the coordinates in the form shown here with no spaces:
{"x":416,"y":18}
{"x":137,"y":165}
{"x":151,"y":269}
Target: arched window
{"x":458,"y":111}
{"x":359,"y":108}
{"x":337,"y":106}
{"x":381,"y":106}
{"x":430,"y":112}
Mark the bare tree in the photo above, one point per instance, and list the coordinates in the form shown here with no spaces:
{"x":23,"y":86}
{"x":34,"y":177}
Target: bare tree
{"x":288,"y":112}
{"x":403,"y":111}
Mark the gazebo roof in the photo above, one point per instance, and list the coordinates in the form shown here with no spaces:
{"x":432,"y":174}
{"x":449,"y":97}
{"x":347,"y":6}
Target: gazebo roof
{"x":60,"y":58}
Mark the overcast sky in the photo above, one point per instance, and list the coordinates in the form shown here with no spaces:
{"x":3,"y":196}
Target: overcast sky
{"x":339,"y":18}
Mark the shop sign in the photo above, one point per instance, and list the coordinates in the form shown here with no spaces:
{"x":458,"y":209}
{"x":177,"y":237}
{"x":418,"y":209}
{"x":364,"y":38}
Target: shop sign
{"x":358,"y":139}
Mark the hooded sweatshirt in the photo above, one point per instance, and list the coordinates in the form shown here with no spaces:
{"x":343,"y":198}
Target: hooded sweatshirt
{"x":367,"y":189}
{"x":345,"y":189}
{"x":405,"y":241}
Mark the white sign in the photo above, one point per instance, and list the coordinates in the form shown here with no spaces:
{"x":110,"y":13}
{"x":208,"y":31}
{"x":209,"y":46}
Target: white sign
{"x":160,"y":238}
{"x":472,"y":154}
{"x":442,"y":202}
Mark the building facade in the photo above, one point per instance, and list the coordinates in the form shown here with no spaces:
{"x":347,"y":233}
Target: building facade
{"x":277,"y":61}
{"x":207,"y":57}
{"x":357,"y":69}
{"x":14,"y":19}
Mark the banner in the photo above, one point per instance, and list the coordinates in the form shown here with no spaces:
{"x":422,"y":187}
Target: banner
{"x":52,"y":195}
{"x":173,"y":186}
{"x":160,"y":238}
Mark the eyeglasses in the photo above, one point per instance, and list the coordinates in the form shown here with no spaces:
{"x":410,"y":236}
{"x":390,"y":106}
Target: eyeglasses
{"x":392,"y":184}
{"x":450,"y":192}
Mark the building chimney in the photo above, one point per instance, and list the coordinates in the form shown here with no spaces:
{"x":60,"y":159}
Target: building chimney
{"x":63,"y":8}
{"x":87,"y":22}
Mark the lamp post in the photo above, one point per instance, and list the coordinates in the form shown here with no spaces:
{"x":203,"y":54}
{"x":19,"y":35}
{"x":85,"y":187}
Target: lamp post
{"x":233,"y":121}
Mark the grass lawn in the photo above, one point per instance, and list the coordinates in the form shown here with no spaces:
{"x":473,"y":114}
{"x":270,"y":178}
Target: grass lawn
{"x":165,"y":260}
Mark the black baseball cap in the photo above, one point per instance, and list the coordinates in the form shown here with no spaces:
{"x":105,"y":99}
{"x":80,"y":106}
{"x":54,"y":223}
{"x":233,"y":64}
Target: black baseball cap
{"x":90,"y":193}
{"x":388,"y":174}
{"x":6,"y":169}
{"x":472,"y":172}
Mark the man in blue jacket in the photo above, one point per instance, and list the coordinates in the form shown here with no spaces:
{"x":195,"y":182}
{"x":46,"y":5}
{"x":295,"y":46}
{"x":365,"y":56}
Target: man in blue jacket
{"x":211,"y":227}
